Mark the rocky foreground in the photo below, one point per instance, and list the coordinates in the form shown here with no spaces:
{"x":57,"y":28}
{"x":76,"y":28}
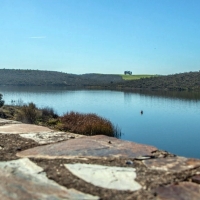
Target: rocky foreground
{"x":39,"y":163}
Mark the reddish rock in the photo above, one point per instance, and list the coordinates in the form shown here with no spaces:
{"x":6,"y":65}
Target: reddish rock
{"x":181,"y":191}
{"x":174,"y":164}
{"x":94,"y":146}
{"x":196,"y":179}
{"x":22,"y":179}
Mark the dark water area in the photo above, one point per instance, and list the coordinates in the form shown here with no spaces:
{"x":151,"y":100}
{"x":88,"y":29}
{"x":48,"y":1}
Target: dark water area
{"x":170,"y":120}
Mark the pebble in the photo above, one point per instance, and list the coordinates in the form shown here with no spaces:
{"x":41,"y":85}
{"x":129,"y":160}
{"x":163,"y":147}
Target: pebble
{"x":129,"y":162}
{"x":18,"y":148}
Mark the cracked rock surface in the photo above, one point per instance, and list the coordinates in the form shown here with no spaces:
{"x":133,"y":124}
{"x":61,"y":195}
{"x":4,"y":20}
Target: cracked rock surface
{"x":39,"y":163}
{"x":118,"y":178}
{"x":22,"y":179}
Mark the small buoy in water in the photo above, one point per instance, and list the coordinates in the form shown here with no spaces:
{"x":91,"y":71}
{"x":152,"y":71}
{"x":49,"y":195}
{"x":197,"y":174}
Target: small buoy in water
{"x":141,"y":112}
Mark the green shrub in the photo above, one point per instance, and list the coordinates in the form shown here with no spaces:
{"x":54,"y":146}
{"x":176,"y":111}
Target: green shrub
{"x":2,"y":114}
{"x":88,"y":124}
{"x":1,"y":100}
{"x":28,"y":114}
{"x":48,"y":113}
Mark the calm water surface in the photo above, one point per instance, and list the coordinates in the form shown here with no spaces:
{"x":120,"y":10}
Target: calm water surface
{"x":171,"y":121}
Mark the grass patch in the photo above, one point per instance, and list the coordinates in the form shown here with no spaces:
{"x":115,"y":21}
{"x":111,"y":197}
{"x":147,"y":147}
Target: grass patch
{"x":136,"y":77}
{"x":88,"y":124}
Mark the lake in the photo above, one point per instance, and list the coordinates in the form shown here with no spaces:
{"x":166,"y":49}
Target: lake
{"x":170,"y":120}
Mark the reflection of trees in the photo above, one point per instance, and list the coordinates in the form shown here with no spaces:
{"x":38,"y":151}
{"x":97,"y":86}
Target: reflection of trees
{"x":36,"y":89}
{"x":127,"y":97}
{"x":193,"y":96}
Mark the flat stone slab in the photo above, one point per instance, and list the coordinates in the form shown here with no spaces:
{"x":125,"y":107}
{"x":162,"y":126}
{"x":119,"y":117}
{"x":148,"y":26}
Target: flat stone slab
{"x":49,"y":137}
{"x":174,"y":164}
{"x":5,"y":121}
{"x":22,"y":128}
{"x":181,"y":191}
{"x":89,"y":147}
{"x":196,"y":179}
{"x":118,"y":178}
{"x":22,"y":179}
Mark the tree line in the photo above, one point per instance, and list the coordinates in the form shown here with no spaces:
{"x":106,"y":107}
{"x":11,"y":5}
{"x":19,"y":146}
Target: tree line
{"x":13,"y":77}
{"x":176,"y":82}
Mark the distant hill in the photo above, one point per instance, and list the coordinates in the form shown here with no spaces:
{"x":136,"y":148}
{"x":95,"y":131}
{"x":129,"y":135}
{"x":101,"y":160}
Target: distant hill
{"x":177,"y":82}
{"x":12,"y":77}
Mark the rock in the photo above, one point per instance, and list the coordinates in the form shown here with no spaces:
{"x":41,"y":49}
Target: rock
{"x":196,"y":179}
{"x":161,"y":154}
{"x":22,"y":128}
{"x":6,"y":121}
{"x":50,"y":136}
{"x":22,"y":179}
{"x":118,"y":178}
{"x":143,"y":158}
{"x":173,"y":164}
{"x":160,"y":174}
{"x":89,"y":147}
{"x":181,"y":191}
{"x":18,"y":149}
{"x":129,"y":162}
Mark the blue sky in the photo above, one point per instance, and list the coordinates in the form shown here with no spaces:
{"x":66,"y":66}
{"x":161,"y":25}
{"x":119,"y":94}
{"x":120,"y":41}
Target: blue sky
{"x":101,"y":36}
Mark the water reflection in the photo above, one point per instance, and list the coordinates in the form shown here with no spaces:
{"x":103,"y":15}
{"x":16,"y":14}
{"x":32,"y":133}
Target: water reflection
{"x":127,"y":97}
{"x":170,"y":120}
{"x":182,"y":95}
